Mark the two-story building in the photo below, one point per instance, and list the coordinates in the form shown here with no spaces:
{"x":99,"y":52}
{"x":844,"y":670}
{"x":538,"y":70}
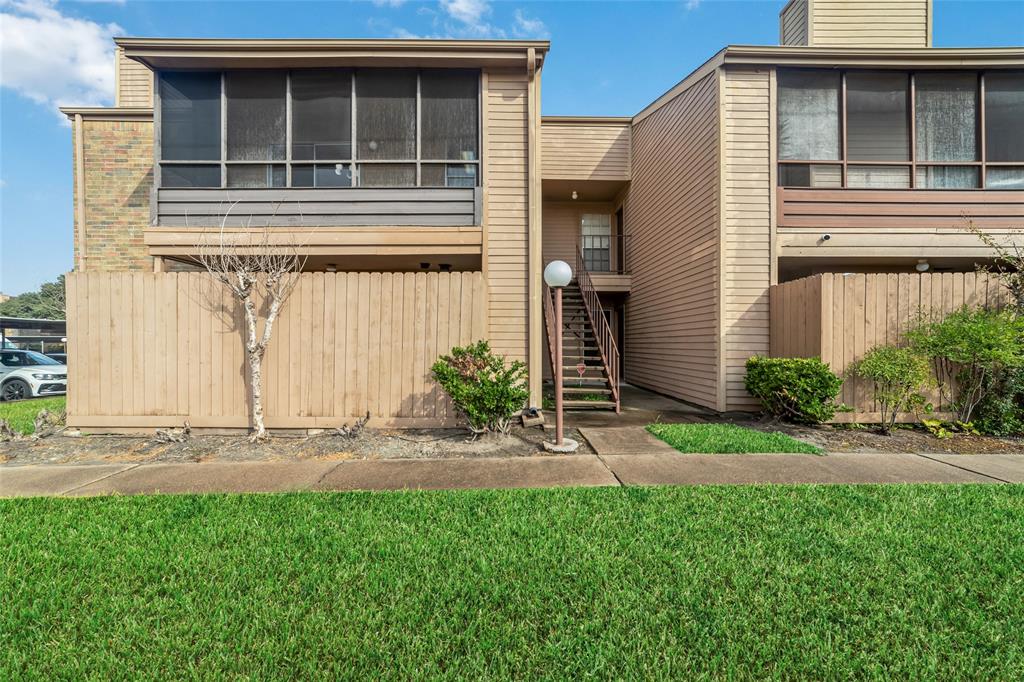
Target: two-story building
{"x":425,"y":170}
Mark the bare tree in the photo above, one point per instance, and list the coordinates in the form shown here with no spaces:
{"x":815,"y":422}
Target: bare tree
{"x":257,"y":269}
{"x":1008,"y":265}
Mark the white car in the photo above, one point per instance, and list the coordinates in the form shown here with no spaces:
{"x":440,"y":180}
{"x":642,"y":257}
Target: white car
{"x":27,"y":374}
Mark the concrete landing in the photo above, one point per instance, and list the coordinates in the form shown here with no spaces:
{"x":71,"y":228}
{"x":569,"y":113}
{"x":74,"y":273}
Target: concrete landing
{"x":627,"y":440}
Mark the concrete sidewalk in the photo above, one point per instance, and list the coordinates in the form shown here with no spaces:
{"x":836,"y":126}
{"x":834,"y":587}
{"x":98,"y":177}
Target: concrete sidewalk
{"x":652,"y":468}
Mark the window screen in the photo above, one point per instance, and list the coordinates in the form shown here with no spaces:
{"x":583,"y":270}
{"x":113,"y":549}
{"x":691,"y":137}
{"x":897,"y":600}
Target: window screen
{"x":322,"y":114}
{"x":256,"y":115}
{"x":947,"y":116}
{"x":448,"y":114}
{"x":1004,"y":116}
{"x":190,"y":116}
{"x":878,"y":128}
{"x":808,"y":115}
{"x":386,"y":114}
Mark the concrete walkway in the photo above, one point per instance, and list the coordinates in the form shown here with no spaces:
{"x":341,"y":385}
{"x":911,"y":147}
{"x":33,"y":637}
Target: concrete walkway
{"x":655,"y":468}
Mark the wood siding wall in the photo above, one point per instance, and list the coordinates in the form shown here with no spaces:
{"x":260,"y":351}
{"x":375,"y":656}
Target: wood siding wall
{"x":839,"y":317}
{"x":893,"y":222}
{"x":870,"y":23}
{"x":506,"y":211}
{"x":747,"y":217}
{"x":134,"y":87}
{"x":793,"y":23}
{"x":562,"y":228}
{"x":585,"y":151}
{"x":672,"y":214}
{"x":442,"y":207}
{"x":155,"y":349}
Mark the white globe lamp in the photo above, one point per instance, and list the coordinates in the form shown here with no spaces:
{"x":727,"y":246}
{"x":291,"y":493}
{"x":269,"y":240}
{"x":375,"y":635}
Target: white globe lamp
{"x":557,"y":274}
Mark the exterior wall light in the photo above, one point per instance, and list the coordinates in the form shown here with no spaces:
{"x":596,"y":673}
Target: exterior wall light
{"x":922,"y":265}
{"x":557,"y":275}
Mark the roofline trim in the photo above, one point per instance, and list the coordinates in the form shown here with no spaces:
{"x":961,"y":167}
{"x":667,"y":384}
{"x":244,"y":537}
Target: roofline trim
{"x":272,"y":44}
{"x":682,"y":86}
{"x":109,"y":113}
{"x":586,"y":120}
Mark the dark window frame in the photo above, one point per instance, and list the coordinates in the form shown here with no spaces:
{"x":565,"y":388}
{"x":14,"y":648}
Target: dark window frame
{"x":352,"y":165}
{"x":843,"y":163}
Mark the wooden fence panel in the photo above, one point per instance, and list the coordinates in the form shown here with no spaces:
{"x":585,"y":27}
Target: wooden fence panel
{"x":151,"y":350}
{"x":839,"y":317}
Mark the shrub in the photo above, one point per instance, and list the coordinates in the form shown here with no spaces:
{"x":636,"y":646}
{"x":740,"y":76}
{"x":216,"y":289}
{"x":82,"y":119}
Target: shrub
{"x":977,"y":347}
{"x":1001,"y":411}
{"x":799,"y":389}
{"x":899,"y":375}
{"x":481,"y":387}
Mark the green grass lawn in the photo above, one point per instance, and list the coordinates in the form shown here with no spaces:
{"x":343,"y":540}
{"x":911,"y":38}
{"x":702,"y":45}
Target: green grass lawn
{"x":727,"y":438}
{"x":901,"y":582}
{"x":22,"y":414}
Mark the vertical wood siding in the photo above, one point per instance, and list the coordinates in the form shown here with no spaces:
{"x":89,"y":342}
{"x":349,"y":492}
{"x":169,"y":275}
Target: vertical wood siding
{"x":134,"y":87}
{"x":793,"y":23}
{"x":672,"y":214}
{"x":156,"y":349}
{"x":839,"y":317}
{"x":507,"y":231}
{"x":585,"y":151}
{"x":870,"y":23}
{"x":748,"y":229}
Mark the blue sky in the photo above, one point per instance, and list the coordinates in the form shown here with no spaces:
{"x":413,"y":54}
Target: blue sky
{"x":607,"y":58}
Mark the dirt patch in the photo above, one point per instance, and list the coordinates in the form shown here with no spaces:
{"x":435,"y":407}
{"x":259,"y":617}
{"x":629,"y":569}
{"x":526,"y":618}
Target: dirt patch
{"x":908,"y":439}
{"x":369,"y":444}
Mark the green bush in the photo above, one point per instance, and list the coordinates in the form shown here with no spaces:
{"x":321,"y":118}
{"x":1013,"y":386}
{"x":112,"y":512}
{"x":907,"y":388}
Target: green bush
{"x":482,"y":388}
{"x":803,"y":390}
{"x":977,"y":347}
{"x":1001,"y":411}
{"x":899,"y":375}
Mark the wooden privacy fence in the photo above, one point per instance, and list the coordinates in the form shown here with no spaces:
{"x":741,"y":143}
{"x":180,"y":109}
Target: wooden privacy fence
{"x":151,"y":350}
{"x":839,"y":317}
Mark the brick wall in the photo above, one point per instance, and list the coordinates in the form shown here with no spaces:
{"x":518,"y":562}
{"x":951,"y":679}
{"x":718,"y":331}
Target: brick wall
{"x":118,"y":168}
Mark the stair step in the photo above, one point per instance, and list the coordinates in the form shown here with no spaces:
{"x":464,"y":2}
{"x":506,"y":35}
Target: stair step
{"x":605,"y":391}
{"x":576,"y":377}
{"x":594,"y":404}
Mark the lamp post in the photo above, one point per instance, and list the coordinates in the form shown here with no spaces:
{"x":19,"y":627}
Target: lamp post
{"x":557,"y":275}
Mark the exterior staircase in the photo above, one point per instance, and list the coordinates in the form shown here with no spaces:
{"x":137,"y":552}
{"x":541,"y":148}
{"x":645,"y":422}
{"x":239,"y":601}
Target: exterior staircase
{"x":590,"y":358}
{"x":580,"y":351}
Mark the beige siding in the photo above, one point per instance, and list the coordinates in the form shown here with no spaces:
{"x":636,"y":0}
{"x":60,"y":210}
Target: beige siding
{"x":506,"y":211}
{"x":748,"y":229}
{"x":562,"y":228}
{"x":134,"y":87}
{"x":156,"y":349}
{"x":672,"y":215}
{"x":585,"y":151}
{"x":793,"y":23}
{"x":870,"y":23}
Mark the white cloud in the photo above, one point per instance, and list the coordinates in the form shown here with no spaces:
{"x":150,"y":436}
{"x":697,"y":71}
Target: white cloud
{"x":525,"y":27}
{"x":388,"y":3}
{"x":693,"y":4}
{"x":469,"y":19}
{"x":54,"y":59}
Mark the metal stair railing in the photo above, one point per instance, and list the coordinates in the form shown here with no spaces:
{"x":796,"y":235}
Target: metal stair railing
{"x":602,"y":330}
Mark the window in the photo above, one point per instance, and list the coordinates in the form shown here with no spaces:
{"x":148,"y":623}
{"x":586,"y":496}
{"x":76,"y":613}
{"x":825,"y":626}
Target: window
{"x":362,"y":127}
{"x":596,"y":241}
{"x":946,"y":121}
{"x":190,"y":128}
{"x":897,"y":130}
{"x":808,"y":115}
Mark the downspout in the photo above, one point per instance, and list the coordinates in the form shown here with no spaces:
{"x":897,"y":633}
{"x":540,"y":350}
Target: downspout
{"x":80,"y":189}
{"x":534,"y":230}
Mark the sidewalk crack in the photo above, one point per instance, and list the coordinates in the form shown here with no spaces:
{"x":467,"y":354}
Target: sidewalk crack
{"x":962,"y":468}
{"x":610,"y":470}
{"x":101,"y":478}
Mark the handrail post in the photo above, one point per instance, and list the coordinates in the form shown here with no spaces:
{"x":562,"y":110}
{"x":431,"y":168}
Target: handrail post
{"x":556,"y":371}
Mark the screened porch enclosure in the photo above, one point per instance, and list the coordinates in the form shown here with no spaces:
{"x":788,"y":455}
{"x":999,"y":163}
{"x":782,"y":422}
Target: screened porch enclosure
{"x":315,"y":147}
{"x":937,"y":130}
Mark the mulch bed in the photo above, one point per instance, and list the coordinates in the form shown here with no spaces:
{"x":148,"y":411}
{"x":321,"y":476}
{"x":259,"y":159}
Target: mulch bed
{"x":368,"y":444}
{"x":907,"y":439}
